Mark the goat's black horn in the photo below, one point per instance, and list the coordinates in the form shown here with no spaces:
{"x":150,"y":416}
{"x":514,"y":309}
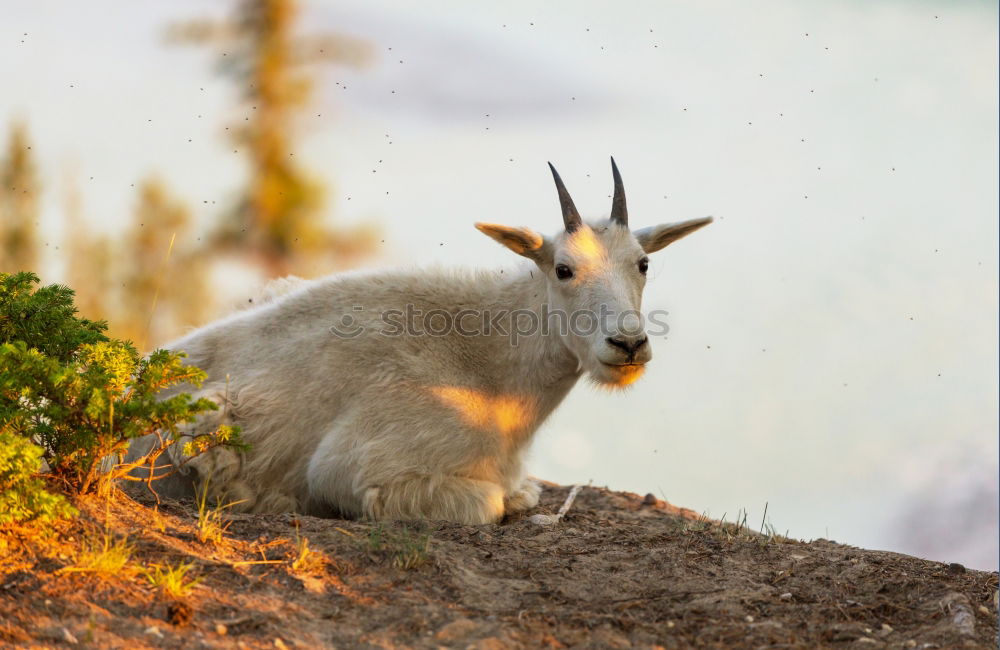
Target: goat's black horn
{"x":619,"y":213}
{"x":571,"y":218}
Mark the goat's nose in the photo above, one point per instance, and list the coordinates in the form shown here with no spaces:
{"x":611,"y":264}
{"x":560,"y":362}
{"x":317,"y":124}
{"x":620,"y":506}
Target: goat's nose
{"x":627,"y":343}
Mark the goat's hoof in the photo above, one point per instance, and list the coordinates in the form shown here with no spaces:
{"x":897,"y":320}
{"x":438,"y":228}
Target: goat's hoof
{"x":525,"y":497}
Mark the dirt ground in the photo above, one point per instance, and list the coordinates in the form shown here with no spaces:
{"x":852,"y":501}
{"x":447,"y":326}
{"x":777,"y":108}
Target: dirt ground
{"x":619,"y":571}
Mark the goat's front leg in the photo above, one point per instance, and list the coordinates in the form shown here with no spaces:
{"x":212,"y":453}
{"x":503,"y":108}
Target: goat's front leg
{"x":453,"y":498}
{"x":525,"y":497}
{"x":216,"y":470}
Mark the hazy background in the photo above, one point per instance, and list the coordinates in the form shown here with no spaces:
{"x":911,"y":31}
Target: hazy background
{"x":833,"y":343}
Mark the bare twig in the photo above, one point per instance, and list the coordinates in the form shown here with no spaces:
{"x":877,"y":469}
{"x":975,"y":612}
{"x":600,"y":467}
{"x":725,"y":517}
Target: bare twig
{"x":156,"y":294}
{"x":549,"y":520}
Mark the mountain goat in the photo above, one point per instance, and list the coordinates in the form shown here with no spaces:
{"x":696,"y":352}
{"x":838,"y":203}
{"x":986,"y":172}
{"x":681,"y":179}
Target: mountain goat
{"x":395,"y":395}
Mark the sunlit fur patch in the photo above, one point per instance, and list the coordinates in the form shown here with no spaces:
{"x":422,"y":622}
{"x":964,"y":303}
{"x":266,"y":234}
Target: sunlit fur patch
{"x":506,"y":414}
{"x":586,"y":250}
{"x":617,"y":377}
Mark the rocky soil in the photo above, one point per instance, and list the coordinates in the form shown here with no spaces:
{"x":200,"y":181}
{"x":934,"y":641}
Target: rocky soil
{"x":619,"y":571}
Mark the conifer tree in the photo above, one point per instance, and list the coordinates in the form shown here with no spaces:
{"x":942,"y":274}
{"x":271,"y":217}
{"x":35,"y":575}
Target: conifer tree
{"x":163,"y":288}
{"x":19,"y":187}
{"x":89,"y":261}
{"x":278,"y":219}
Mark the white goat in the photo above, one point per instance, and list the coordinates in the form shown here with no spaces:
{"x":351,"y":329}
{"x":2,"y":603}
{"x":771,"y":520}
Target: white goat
{"x":395,"y":395}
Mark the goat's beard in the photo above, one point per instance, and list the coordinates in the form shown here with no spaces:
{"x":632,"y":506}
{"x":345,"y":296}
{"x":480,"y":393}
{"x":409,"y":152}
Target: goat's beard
{"x":612,"y":377}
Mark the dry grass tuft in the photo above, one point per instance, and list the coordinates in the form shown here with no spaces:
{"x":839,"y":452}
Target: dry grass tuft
{"x":307,"y":560}
{"x":406,"y":549}
{"x":104,"y":556}
{"x":171,"y":580}
{"x":211,"y":524}
{"x":740,"y":530}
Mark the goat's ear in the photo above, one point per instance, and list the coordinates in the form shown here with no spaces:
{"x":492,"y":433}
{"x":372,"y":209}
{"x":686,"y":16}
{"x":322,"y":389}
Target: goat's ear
{"x":654,"y":238}
{"x":520,"y":240}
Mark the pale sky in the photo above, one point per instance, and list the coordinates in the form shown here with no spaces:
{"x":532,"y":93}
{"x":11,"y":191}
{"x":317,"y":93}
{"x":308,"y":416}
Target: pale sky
{"x":833,"y":344}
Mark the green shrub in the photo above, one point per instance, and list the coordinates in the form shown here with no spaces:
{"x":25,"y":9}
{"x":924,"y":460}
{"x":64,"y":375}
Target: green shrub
{"x":44,"y":318}
{"x":23,"y":496}
{"x":81,"y":396}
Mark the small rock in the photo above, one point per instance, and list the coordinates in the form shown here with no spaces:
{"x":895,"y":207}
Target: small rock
{"x":221,"y":629}
{"x":786,"y":596}
{"x":955,"y":567}
{"x":544,"y":520}
{"x":670,"y":623}
{"x":458,"y":629}
{"x":960,"y":611}
{"x":649,"y":500}
{"x":280,"y":645}
{"x":749,"y":619}
{"x":865,"y":639}
{"x":766,"y":625}
{"x":154,"y":631}
{"x":983,"y":609}
{"x":608,"y":638}
{"x":68,"y":636}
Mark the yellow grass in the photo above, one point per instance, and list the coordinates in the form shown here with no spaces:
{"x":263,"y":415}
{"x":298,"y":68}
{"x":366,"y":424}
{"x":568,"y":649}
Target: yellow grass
{"x":171,"y":580}
{"x":306,"y":559}
{"x":103,"y":556}
{"x":211,"y":526}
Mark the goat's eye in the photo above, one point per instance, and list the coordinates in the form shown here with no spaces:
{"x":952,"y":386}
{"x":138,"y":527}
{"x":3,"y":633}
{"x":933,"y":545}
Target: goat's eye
{"x":563,"y":272}
{"x":644,"y":265}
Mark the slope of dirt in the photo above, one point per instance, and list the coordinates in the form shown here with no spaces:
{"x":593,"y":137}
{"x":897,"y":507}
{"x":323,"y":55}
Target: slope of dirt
{"x":619,"y":571}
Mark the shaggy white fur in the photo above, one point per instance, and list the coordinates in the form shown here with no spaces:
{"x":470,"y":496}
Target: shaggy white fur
{"x":346,"y":415}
